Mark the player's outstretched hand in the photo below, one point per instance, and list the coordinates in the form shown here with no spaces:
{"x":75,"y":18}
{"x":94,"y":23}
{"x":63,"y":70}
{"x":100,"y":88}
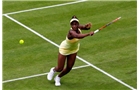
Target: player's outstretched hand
{"x":88,"y":25}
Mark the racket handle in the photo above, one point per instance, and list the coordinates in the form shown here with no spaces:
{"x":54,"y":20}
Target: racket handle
{"x":96,"y":31}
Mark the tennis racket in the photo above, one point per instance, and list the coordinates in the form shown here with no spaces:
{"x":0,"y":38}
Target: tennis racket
{"x":107,"y":25}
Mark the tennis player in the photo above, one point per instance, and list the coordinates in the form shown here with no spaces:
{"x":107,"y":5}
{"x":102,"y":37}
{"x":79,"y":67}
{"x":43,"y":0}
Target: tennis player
{"x":68,"y":49}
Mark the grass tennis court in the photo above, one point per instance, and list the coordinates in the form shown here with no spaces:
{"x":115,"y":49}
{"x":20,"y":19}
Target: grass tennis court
{"x":113,"y":50}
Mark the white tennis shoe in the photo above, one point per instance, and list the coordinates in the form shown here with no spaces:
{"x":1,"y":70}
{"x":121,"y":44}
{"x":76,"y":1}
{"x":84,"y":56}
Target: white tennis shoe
{"x":57,"y":81}
{"x":50,"y":74}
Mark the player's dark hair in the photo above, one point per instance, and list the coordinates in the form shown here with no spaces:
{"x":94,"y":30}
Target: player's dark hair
{"x":74,"y":17}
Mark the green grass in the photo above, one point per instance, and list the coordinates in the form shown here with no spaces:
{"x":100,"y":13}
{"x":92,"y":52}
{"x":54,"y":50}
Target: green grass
{"x":114,"y":49}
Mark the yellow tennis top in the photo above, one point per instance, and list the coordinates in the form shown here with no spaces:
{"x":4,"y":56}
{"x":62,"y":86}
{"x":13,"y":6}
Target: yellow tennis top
{"x":68,"y":47}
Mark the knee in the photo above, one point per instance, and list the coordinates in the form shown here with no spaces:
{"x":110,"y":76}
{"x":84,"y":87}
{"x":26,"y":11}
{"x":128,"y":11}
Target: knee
{"x":57,"y":69}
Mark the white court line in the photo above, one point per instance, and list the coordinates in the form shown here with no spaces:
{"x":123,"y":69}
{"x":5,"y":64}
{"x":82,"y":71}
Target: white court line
{"x":109,"y":75}
{"x":38,"y":75}
{"x":57,"y":5}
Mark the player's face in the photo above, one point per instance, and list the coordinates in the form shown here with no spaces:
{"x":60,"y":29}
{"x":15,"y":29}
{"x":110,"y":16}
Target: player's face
{"x":74,"y":25}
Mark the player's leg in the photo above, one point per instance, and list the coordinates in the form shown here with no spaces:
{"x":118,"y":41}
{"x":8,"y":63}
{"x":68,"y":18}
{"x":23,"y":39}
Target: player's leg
{"x":70,"y":62}
{"x":61,"y":63}
{"x":58,"y":68}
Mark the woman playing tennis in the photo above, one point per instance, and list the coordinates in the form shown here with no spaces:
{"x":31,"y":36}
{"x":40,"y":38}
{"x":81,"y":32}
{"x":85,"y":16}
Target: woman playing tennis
{"x":68,"y":50}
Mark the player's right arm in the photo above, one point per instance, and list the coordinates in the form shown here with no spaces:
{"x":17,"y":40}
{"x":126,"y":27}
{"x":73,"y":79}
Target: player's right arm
{"x":72,"y":34}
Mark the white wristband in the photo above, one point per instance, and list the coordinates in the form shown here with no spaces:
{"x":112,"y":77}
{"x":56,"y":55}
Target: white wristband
{"x":96,"y":31}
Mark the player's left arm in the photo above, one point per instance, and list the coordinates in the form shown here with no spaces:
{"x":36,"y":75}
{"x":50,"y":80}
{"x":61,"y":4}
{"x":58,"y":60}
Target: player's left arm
{"x":85,"y":27}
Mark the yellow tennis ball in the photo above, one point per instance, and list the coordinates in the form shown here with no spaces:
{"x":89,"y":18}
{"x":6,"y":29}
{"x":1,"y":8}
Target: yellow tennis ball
{"x":21,"y":41}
